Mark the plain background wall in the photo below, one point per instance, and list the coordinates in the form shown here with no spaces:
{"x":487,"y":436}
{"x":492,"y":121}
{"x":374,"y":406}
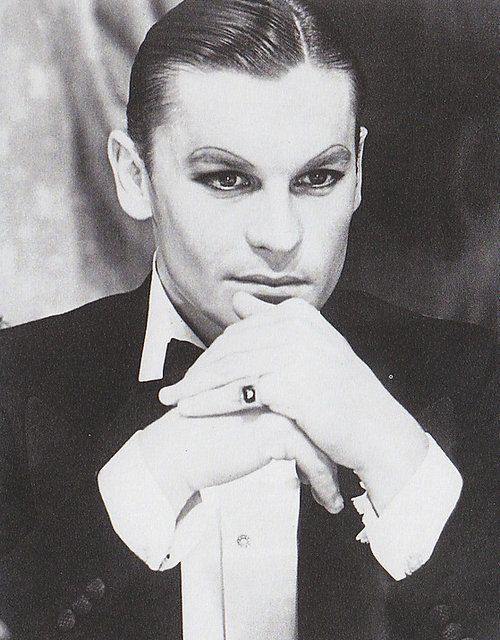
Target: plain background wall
{"x":426,"y":233}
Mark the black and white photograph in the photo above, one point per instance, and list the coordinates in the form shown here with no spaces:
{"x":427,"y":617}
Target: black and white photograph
{"x":248,"y":320}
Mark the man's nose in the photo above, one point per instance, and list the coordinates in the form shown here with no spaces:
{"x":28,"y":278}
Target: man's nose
{"x":274,"y":229}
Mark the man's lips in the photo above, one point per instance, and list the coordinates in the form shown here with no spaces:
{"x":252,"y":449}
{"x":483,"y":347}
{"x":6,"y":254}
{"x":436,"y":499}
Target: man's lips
{"x":270,"y":281}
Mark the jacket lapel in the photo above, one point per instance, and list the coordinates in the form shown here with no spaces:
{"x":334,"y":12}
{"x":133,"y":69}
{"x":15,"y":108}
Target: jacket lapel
{"x":63,"y":426}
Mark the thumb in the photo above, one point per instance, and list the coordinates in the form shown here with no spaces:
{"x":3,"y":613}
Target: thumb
{"x":246,"y":305}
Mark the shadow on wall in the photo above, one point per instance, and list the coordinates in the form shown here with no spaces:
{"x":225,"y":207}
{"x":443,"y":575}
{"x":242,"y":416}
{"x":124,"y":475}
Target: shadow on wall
{"x":424,"y":236}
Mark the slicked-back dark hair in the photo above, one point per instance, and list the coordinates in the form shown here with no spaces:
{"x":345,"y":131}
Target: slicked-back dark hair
{"x":264,"y":38}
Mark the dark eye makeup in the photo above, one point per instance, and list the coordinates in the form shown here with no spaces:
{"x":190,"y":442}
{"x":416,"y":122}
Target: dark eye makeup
{"x":317,"y":179}
{"x":235,"y":182}
{"x":225,"y":181}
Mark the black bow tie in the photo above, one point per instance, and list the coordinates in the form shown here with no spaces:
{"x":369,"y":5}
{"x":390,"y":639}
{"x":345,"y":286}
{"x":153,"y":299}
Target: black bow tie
{"x":180,"y":357}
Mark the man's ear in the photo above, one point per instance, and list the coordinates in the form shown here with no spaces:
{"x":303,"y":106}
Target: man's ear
{"x":131,"y":177}
{"x":363,"y":132}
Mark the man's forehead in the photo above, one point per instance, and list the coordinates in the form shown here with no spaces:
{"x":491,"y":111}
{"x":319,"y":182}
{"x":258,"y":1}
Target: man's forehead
{"x":282,"y":121}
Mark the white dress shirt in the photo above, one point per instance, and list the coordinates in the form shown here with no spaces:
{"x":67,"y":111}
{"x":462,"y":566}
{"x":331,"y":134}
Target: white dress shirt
{"x":238,"y":545}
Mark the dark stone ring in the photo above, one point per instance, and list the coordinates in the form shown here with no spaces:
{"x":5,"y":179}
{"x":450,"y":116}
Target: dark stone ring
{"x":248,"y":394}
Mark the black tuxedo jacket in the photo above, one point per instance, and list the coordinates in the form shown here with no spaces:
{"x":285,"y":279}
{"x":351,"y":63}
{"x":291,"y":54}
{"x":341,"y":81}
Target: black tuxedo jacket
{"x":69,"y":398}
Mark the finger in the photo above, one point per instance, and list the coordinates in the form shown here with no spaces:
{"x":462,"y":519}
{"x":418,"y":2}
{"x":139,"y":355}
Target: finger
{"x":218,"y":402}
{"x":250,"y":307}
{"x":328,"y":495}
{"x":287,"y":333}
{"x":320,"y":472}
{"x":258,"y":313}
{"x":277,"y":392}
{"x":246,"y":305}
{"x":254,"y":311}
{"x":249,"y":337}
{"x":338,"y":499}
{"x":232,"y":368}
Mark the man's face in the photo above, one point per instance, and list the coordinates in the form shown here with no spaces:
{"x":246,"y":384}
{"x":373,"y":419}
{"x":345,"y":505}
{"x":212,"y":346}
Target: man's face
{"x":253,"y":187}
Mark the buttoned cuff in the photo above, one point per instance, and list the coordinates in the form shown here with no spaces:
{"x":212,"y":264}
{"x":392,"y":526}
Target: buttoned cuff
{"x":402,"y":538}
{"x":141,"y":514}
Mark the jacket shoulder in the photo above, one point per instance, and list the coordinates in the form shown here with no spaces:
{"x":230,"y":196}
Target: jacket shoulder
{"x":443,"y":352}
{"x":362,"y":310}
{"x":70,"y":348}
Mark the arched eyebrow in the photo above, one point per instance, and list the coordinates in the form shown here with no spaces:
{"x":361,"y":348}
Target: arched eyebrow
{"x":214,"y":155}
{"x":336,"y":154}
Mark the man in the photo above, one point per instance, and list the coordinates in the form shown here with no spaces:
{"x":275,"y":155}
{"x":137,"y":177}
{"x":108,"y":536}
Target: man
{"x":127,"y":517}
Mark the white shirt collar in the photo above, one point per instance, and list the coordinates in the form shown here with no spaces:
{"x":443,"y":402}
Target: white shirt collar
{"x":163,"y":324}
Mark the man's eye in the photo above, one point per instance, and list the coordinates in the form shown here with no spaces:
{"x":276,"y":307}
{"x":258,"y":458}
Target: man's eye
{"x":318,"y":179}
{"x":226,"y":181}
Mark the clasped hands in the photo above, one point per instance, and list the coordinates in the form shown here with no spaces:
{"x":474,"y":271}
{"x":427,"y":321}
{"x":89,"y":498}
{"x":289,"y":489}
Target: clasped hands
{"x":318,"y":403}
